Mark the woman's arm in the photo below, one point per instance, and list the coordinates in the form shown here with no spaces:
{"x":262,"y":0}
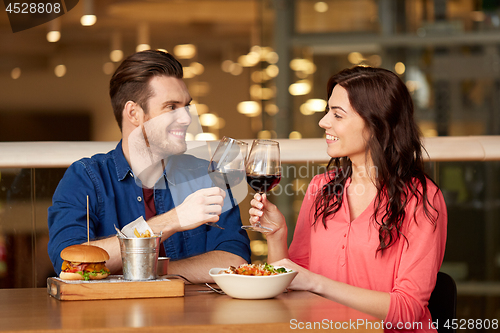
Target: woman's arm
{"x":269,"y":216}
{"x":375,"y":303}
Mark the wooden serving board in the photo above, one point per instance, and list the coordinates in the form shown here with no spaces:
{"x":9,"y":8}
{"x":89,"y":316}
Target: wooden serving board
{"x":113,"y":287}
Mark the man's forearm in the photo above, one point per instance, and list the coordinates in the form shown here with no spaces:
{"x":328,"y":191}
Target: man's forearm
{"x":112,"y":246}
{"x":196,"y":268}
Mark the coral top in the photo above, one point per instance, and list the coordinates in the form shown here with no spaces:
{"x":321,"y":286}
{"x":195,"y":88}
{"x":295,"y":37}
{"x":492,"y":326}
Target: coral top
{"x":346,"y":252}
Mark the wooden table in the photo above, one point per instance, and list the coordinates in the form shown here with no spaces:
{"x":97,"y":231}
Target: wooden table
{"x":25,"y":310}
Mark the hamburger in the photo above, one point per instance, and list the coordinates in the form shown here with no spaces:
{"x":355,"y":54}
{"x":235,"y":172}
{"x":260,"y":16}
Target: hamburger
{"x":84,"y":262}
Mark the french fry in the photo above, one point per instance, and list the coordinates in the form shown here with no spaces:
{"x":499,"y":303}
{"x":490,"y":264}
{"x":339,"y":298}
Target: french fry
{"x":139,"y":235}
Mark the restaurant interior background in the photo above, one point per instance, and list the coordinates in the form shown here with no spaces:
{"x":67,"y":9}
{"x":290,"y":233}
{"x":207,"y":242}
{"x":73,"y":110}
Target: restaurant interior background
{"x":258,"y":69}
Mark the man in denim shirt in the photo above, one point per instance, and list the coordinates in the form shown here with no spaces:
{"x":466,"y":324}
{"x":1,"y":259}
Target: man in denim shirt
{"x":146,"y":85}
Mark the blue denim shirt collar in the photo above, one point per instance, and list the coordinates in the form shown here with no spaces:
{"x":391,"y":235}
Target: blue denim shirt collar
{"x":122,"y":167}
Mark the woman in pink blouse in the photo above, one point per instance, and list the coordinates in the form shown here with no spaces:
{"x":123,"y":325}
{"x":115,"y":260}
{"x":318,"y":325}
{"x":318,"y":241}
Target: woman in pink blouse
{"x":371,"y":232}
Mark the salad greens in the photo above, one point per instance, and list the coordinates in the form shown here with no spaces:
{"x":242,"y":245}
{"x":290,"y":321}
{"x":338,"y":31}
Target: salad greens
{"x":272,"y":269}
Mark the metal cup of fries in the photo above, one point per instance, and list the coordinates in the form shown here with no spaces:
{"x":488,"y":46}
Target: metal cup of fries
{"x":139,"y":251}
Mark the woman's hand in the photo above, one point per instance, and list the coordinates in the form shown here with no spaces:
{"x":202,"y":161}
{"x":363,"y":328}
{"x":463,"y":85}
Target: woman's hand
{"x":267,"y":213}
{"x":303,"y":280}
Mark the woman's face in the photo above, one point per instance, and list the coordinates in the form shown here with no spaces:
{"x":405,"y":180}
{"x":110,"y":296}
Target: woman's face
{"x":346,"y":132}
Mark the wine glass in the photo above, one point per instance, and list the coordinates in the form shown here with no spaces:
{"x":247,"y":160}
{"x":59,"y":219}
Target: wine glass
{"x":227,"y":166}
{"x":263,"y":170}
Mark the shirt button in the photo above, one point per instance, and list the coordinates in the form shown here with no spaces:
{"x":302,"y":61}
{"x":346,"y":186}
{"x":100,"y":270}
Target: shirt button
{"x":345,"y":235}
{"x":139,"y":199}
{"x":343,"y":247}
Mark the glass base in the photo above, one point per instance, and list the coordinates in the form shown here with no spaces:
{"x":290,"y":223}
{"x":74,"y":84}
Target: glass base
{"x":257,"y":228}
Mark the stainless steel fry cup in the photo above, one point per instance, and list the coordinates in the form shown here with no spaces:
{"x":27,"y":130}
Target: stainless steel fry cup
{"x":140,"y":257}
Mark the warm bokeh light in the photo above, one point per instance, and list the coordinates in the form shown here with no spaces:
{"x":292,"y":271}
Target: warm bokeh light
{"x":236,"y":69}
{"x":272,"y":70}
{"x":185,"y":51}
{"x":249,"y":108}
{"x":302,"y":87}
{"x":88,"y":20}
{"x":188,"y":72}
{"x":226,"y":66}
{"x":305,"y":110}
{"x":246,"y":61}
{"x":271,"y":109}
{"x":53,"y":36}
{"x":400,"y":68}
{"x":142,"y":47}
{"x":295,"y":135}
{"x":298,"y":64}
{"x":197,"y":68}
{"x":205,"y":137}
{"x":321,"y":7}
{"x":60,"y":70}
{"x":258,"y":92}
{"x":305,"y":66}
{"x":264,"y":135}
{"x":272,"y":57}
{"x":189,"y":137}
{"x":116,"y":55}
{"x":208,"y":119}
{"x":355,"y":58}
{"x":316,"y":104}
{"x":15,"y":73}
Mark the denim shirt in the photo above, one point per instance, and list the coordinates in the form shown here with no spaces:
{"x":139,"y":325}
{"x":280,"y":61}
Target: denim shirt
{"x":116,"y":199}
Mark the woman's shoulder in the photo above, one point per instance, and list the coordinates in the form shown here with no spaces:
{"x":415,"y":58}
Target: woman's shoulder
{"x":323,"y":178}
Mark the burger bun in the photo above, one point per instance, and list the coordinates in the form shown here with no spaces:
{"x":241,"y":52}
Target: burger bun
{"x":84,"y":253}
{"x":70,"y":276}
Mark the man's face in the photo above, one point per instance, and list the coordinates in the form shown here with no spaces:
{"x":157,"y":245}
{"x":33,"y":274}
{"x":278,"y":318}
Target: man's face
{"x":167,"y":119}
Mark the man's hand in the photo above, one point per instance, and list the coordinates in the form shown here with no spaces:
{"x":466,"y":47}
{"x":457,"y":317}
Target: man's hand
{"x":200,"y":207}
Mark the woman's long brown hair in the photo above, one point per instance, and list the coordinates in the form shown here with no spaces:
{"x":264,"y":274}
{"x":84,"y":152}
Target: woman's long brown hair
{"x":384,"y":103}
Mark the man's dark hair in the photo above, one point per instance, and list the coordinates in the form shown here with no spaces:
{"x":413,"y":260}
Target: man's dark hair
{"x":130,"y":82}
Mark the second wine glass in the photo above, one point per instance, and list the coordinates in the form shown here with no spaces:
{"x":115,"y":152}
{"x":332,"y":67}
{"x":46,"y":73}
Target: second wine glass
{"x":227,"y":166}
{"x":263,"y":171}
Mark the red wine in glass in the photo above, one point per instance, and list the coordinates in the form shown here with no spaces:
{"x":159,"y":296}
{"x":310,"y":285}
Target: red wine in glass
{"x":263,"y":183}
{"x":263,"y":171}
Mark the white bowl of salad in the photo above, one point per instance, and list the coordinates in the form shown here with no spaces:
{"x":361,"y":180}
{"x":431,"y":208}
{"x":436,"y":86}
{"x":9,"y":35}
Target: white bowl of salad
{"x":251,"y":281}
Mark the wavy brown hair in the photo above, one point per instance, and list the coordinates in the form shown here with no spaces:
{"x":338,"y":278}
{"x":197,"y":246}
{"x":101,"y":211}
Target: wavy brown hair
{"x":383,"y":101}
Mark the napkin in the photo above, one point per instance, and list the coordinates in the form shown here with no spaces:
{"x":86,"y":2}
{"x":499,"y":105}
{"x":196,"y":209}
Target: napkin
{"x":139,"y":224}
